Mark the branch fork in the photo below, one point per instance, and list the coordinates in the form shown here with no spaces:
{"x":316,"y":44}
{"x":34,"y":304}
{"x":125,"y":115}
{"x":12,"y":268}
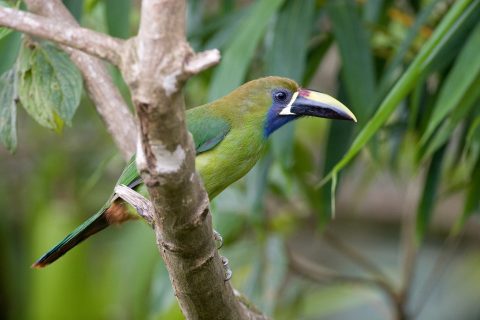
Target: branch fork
{"x":141,"y":204}
{"x":202,"y":61}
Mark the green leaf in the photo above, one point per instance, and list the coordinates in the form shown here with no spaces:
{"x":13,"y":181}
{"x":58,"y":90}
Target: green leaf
{"x":315,"y":56}
{"x":4,"y":31}
{"x":9,"y":48}
{"x":358,"y":71}
{"x":287,"y":51}
{"x":257,"y":181}
{"x":466,"y":103}
{"x":221,"y":28}
{"x":429,"y":194}
{"x":459,"y":80}
{"x":303,"y":168}
{"x":275,"y":271}
{"x":473,"y":135}
{"x":237,"y":57}
{"x":269,"y":269}
{"x":8,"y":110}
{"x":394,"y":68}
{"x":457,"y":14}
{"x":472,"y":200}
{"x":415,"y":102}
{"x":373,"y":10}
{"x":339,"y":135}
{"x":293,"y":26}
{"x":118,"y":17}
{"x":333,"y":191}
{"x":50,"y":85}
{"x":195,"y":13}
{"x":75,"y":7}
{"x":454,"y":40}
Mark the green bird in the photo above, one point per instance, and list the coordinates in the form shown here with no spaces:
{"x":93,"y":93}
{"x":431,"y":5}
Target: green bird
{"x":229,"y":134}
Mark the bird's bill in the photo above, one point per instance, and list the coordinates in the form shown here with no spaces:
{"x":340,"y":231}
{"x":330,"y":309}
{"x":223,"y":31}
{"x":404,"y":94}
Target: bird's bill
{"x":312,"y":103}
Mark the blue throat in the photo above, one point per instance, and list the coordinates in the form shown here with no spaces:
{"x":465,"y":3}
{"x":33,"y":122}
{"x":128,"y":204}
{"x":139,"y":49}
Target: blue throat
{"x":274,"y":121}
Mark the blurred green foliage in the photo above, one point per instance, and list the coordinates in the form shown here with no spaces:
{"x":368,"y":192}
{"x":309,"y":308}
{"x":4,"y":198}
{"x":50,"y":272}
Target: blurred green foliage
{"x":410,"y":71}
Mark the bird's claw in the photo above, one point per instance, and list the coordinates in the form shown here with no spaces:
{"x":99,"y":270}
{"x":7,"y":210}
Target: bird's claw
{"x":218,"y":238}
{"x":228,"y":271}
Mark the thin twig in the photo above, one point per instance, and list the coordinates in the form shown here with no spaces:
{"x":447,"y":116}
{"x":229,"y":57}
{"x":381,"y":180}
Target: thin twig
{"x":410,"y":248}
{"x":313,"y":271}
{"x":441,"y":265}
{"x":91,"y":42}
{"x":141,"y":204}
{"x":202,"y":61}
{"x":355,"y":256}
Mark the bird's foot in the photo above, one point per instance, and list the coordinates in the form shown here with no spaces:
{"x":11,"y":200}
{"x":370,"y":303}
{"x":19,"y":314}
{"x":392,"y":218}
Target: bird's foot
{"x":218,"y":238}
{"x":226,"y":267}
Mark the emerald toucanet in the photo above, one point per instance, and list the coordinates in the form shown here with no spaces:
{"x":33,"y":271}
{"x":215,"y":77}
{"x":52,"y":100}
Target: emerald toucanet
{"x":229,"y":134}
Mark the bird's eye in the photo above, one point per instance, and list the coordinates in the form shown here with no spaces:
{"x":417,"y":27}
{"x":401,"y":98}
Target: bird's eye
{"x":280,"y":96}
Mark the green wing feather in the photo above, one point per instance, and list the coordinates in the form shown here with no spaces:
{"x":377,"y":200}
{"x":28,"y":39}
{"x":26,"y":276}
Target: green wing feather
{"x":207,"y":133}
{"x":130,"y":176}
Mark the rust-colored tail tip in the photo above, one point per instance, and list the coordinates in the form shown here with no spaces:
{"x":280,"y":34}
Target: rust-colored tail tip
{"x":38,"y":265}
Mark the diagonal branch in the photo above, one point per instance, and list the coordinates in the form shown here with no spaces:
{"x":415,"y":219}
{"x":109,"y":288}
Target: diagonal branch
{"x":91,"y":42}
{"x":158,"y":63}
{"x":356,"y":257}
{"x":107,"y":99}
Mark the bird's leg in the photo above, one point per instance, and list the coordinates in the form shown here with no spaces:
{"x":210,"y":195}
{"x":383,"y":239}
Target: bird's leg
{"x":219,"y":240}
{"x":143,"y":206}
{"x":226,"y":267}
{"x":216,"y":235}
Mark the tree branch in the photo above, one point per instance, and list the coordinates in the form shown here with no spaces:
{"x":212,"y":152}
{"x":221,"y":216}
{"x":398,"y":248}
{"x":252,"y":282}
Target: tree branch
{"x":145,"y":208}
{"x":155,"y":68}
{"x":91,"y":42}
{"x":107,"y":99}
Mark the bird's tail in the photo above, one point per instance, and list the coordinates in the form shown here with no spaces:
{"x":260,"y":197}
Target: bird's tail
{"x":115,"y":213}
{"x":93,"y":225}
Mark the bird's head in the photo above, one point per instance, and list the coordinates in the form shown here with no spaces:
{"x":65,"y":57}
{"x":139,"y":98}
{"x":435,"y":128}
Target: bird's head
{"x":288,"y":102}
{"x":280,"y":100}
